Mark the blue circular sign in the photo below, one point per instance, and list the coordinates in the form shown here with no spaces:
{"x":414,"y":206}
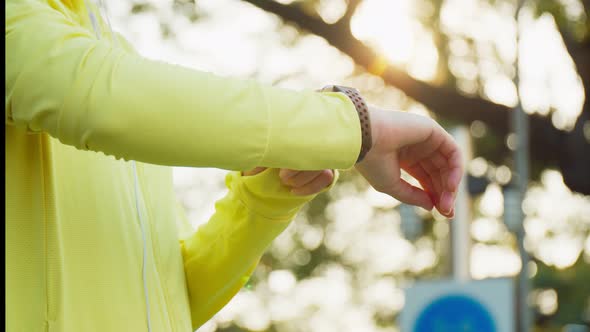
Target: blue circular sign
{"x":455,"y":313}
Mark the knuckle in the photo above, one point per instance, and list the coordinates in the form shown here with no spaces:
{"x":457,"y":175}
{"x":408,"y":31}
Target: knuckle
{"x":328,"y":175}
{"x":284,"y":175}
{"x":384,"y":189}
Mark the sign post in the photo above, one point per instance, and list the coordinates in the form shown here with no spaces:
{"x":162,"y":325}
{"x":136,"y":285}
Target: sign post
{"x":520,"y":127}
{"x":461,"y":224}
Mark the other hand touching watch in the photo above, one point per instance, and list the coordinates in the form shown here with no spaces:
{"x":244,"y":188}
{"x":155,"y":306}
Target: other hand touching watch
{"x":363,"y":112}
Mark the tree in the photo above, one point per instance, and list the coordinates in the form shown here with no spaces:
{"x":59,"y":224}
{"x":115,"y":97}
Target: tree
{"x":550,"y":147}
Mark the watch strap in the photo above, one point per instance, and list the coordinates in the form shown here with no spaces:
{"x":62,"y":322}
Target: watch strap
{"x":363,"y":113}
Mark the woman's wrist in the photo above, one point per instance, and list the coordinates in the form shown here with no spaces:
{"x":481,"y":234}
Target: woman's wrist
{"x":374,"y":114}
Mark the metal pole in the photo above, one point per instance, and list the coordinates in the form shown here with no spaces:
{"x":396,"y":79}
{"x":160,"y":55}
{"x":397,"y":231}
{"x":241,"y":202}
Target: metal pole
{"x":460,"y":226}
{"x":520,"y":126}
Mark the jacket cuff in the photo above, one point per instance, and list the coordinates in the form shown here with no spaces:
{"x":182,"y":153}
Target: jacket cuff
{"x":264,"y":194}
{"x":330,"y":116}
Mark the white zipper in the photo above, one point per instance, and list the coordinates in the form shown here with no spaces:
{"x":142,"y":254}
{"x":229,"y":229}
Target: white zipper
{"x":96,"y":28}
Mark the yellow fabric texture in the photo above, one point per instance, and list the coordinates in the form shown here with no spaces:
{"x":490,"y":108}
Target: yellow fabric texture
{"x":77,"y":110}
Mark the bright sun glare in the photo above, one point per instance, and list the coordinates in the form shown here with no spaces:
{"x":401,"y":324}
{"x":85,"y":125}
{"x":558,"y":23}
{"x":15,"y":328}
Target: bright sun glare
{"x":548,"y":82}
{"x":388,"y":26}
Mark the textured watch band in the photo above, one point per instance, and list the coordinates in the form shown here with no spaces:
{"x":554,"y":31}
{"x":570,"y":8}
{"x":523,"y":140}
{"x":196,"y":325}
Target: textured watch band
{"x":363,"y":112}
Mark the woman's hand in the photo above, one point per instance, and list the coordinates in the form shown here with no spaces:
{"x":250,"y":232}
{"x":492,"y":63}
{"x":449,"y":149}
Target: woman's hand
{"x":401,"y":141}
{"x":422,"y":148}
{"x":302,"y":183}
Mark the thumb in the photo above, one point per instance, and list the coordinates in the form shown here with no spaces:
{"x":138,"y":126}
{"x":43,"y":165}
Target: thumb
{"x":410,"y":194}
{"x":254,"y":171}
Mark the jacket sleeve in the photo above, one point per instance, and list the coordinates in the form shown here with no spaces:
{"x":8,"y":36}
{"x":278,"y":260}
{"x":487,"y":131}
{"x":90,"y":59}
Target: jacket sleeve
{"x":87,"y":93}
{"x":222,"y":254}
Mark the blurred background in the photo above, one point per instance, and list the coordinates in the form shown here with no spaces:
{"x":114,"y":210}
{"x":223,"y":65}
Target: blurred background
{"x":344,"y":263}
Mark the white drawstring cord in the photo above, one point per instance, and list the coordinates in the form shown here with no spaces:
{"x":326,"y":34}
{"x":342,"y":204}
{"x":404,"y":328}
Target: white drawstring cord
{"x":135,"y":178}
{"x":106,"y":15}
{"x":144,"y":259}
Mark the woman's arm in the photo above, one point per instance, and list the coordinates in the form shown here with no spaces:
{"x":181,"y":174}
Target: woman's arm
{"x":89,"y":94}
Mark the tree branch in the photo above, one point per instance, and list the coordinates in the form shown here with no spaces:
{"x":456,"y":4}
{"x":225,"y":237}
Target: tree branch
{"x":350,"y":10}
{"x":580,"y":54}
{"x":545,"y":139}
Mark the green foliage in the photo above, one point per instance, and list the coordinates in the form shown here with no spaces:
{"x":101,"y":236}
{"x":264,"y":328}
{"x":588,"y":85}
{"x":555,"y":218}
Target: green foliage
{"x":578,"y":27}
{"x":573,"y":291}
{"x":141,"y":7}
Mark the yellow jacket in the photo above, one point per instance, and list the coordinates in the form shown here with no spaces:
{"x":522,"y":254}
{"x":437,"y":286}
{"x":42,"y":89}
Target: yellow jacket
{"x":77,"y":110}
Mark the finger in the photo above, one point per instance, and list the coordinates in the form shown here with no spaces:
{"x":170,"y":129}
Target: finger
{"x":450,"y":150}
{"x":302,"y":178}
{"x":323,"y":180}
{"x":455,"y":172}
{"x":434,"y":175}
{"x":450,"y":175}
{"x":409,"y":194}
{"x":445,"y":170}
{"x":420,"y":174}
{"x":425,"y":181}
{"x":447,"y":202}
{"x":254,"y":171}
{"x":445,"y":199}
{"x":412,"y":154}
{"x":448,"y":146}
{"x":450,"y":169}
{"x":438,"y":160}
{"x":285,"y":174}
